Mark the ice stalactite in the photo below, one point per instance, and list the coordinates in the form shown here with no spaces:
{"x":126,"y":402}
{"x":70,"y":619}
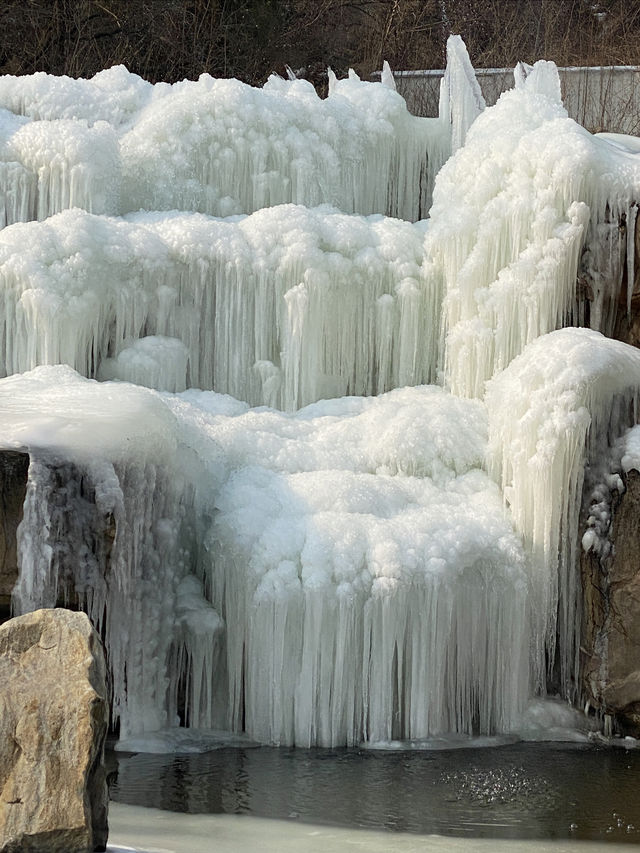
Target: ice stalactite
{"x":559,"y":404}
{"x":286,"y":306}
{"x":530,"y":205}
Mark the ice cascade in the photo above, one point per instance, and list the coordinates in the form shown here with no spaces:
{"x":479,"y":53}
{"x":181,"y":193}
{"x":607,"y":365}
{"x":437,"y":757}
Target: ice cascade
{"x":287,"y":532}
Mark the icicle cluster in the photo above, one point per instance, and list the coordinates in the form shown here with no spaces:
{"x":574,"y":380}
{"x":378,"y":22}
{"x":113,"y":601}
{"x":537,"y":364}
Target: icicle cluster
{"x":513,"y":212}
{"x":560,"y":403}
{"x":117,"y":144}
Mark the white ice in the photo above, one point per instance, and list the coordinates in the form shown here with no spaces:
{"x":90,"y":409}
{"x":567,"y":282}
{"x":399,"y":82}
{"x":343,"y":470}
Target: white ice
{"x":557,"y":406}
{"x":216,"y":146}
{"x":153,"y":831}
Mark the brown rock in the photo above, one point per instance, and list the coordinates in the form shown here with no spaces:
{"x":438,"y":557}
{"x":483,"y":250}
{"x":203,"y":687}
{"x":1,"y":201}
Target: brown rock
{"x":53,"y":724}
{"x":611,"y":636}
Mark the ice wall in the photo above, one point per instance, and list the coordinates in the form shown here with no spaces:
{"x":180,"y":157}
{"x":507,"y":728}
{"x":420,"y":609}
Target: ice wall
{"x":561,"y":403}
{"x":529,"y":206}
{"x":283,"y":307}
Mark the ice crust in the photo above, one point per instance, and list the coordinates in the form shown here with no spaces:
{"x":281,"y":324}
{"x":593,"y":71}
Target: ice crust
{"x":287,"y":554}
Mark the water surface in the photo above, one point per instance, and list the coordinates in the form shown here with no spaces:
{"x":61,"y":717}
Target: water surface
{"x":524,"y":791}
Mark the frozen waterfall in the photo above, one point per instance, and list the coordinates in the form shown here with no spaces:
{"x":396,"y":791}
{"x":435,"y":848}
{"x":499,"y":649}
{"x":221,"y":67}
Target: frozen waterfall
{"x":312,"y":462}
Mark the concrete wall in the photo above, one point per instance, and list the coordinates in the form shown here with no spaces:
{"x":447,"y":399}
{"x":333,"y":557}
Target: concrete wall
{"x":606,"y":98}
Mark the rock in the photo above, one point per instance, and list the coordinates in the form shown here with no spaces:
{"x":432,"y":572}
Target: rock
{"x":627,"y":324}
{"x":14,"y":469}
{"x":611,"y":635}
{"x":53,"y":719}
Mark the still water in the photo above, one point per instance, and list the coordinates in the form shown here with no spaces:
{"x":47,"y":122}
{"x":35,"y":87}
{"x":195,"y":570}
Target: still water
{"x":524,"y":791}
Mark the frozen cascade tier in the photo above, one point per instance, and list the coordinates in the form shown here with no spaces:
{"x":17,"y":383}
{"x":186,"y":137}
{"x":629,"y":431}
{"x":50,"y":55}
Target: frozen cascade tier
{"x":116,"y":144}
{"x":343,"y":573}
{"x":283,"y":307}
{"x":532,"y":228}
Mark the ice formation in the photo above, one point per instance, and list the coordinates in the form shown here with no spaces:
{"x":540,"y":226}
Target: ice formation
{"x":354,"y":567}
{"x":285,"y":307}
{"x":528,"y":230}
{"x":215,"y":146}
{"x":557,"y":405}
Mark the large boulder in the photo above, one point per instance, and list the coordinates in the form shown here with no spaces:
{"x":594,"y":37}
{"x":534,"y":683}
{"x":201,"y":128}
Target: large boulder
{"x":611,"y":635}
{"x":53,"y":724}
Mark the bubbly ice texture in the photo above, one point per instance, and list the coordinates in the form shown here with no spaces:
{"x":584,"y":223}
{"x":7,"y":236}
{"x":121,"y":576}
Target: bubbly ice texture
{"x":286,"y":306}
{"x":631,"y":450}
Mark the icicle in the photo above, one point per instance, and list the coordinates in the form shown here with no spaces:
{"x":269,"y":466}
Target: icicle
{"x":386,"y":78}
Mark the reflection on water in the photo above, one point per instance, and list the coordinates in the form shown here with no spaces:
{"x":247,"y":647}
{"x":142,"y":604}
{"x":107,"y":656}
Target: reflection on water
{"x":540,"y":791}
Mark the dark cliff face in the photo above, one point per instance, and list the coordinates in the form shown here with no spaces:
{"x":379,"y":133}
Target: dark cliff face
{"x":611,"y":632}
{"x":14,"y":469}
{"x":610,"y":648}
